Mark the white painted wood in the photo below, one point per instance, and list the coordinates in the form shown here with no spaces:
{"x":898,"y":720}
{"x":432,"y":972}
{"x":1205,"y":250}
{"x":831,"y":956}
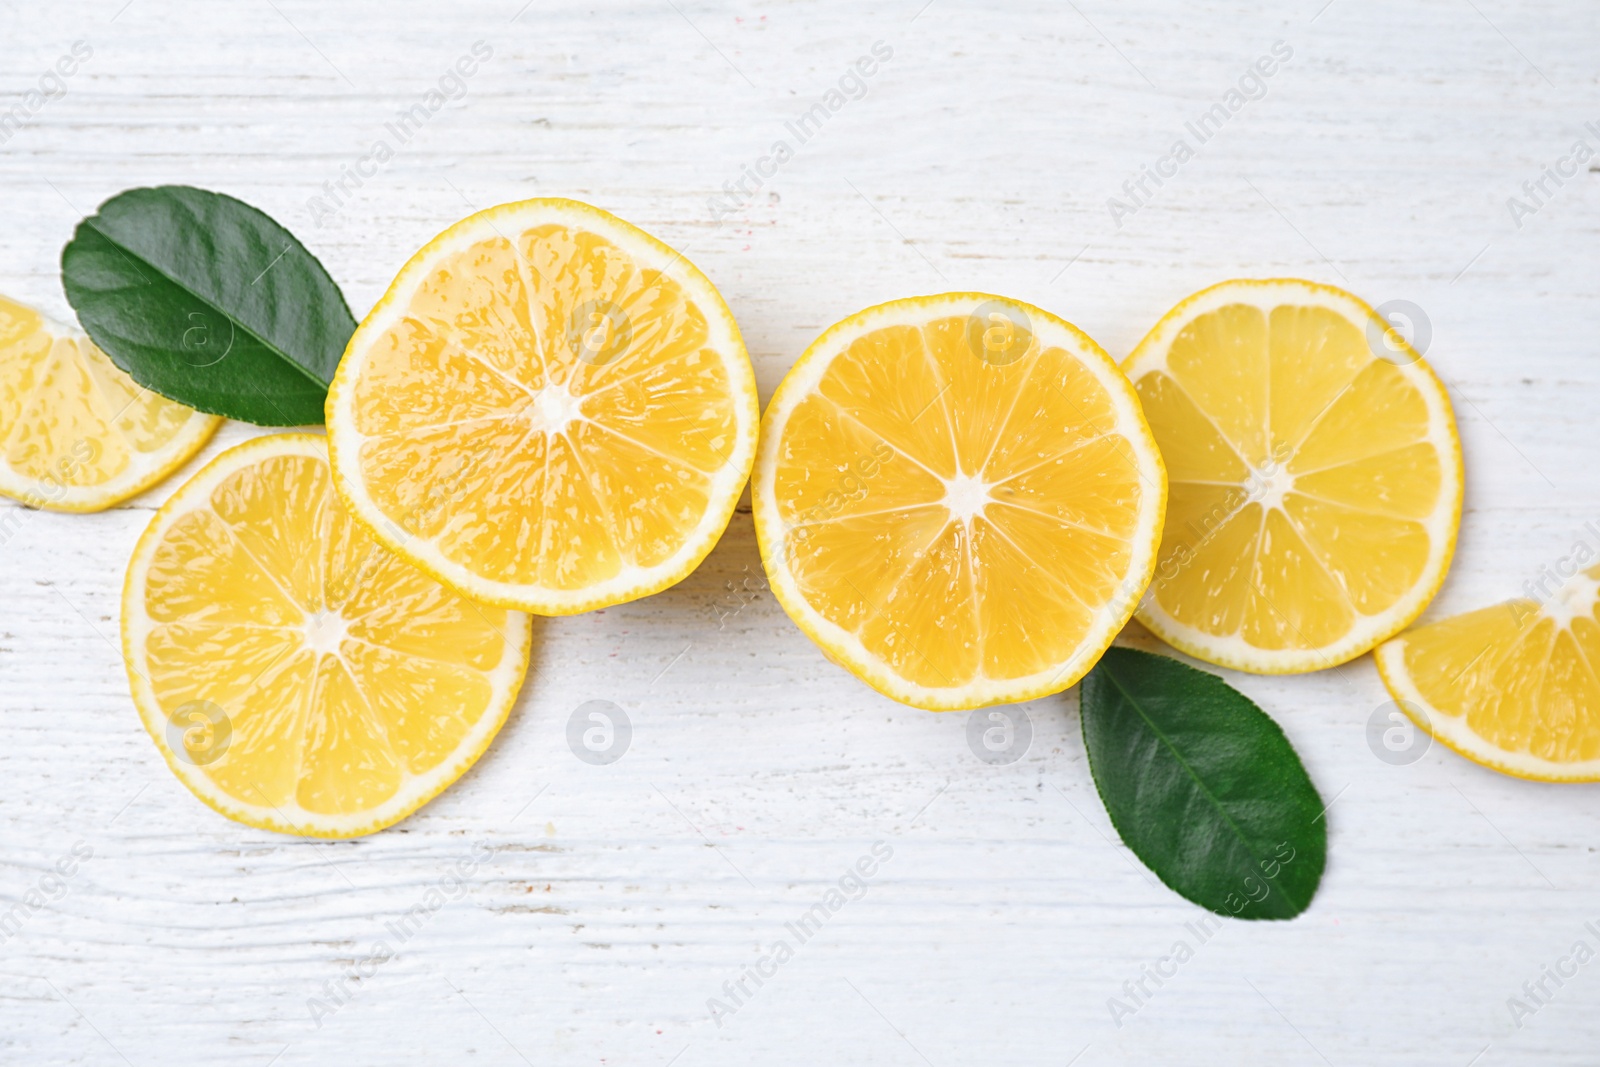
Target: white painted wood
{"x":619,"y":898}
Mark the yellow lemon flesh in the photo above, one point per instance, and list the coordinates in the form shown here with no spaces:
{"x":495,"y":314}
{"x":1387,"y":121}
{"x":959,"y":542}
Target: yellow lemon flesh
{"x":295,"y":674}
{"x":1315,"y":476}
{"x":549,"y":410}
{"x":76,"y":433}
{"x":1515,"y":687}
{"x":958,"y":499}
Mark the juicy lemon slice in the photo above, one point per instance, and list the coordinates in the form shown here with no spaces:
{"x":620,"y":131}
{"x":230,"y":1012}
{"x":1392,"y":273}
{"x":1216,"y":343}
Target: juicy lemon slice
{"x":296,"y":675}
{"x":76,"y":433}
{"x":957,"y":497}
{"x":1315,"y":476}
{"x":549,"y":410}
{"x":1515,"y":687}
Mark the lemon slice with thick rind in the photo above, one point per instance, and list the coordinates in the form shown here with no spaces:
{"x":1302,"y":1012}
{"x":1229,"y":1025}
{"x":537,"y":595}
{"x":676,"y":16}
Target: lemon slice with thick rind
{"x":1315,"y":476}
{"x":549,"y":410}
{"x":958,"y":499}
{"x":76,"y":433}
{"x":1515,"y":687}
{"x":295,"y":674}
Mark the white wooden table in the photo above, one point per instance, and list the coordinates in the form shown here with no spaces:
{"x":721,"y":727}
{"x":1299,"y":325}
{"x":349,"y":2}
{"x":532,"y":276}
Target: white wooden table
{"x":618,"y":899}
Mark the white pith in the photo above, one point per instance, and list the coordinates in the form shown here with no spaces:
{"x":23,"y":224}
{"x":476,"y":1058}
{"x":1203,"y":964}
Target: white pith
{"x":1573,"y":600}
{"x":965,"y":497}
{"x":555,"y":409}
{"x":324,"y":632}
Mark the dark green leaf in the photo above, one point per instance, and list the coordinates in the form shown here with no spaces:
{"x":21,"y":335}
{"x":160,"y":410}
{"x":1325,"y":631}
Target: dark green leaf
{"x":1203,"y":786}
{"x":207,"y":301}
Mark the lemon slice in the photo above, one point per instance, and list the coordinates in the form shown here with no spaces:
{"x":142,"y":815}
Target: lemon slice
{"x":958,"y":499}
{"x":76,"y":433}
{"x":295,"y":674}
{"x":1515,"y":687}
{"x":1315,"y":476}
{"x":548,"y":410}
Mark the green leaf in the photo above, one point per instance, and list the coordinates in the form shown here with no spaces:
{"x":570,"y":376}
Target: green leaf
{"x":1203,"y":786}
{"x":207,"y":301}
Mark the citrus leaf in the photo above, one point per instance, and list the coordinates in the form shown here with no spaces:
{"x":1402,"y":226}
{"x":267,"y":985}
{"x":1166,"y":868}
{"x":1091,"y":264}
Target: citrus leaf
{"x":1203,"y":786}
{"x":207,"y":301}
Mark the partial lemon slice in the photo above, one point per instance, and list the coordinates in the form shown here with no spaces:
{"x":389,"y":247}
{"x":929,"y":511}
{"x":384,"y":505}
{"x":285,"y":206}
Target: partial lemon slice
{"x":1515,"y":687}
{"x":76,"y":433}
{"x":1315,"y":476}
{"x":296,"y":675}
{"x":958,"y":499}
{"x":549,"y":410}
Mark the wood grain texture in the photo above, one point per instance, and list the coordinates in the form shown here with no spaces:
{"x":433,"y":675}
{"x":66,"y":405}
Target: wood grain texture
{"x":618,"y":899}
